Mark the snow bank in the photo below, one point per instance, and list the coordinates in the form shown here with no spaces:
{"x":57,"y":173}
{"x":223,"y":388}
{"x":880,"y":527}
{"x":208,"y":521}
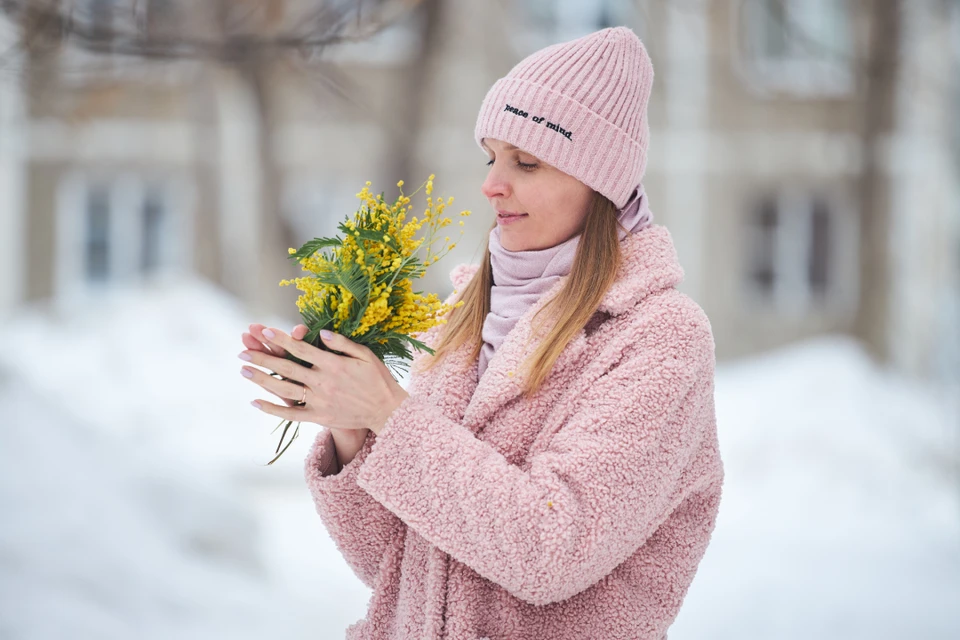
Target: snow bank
{"x":840,"y":511}
{"x":136,"y":501}
{"x":100,"y":541}
{"x":158,"y":365}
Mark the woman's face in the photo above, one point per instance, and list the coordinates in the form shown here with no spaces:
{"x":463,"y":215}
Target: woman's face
{"x":554,"y":203}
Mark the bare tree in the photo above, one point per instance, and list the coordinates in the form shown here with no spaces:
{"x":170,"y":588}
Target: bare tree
{"x":879,"y":73}
{"x":411,"y":107}
{"x":250,"y":39}
{"x":223,"y":31}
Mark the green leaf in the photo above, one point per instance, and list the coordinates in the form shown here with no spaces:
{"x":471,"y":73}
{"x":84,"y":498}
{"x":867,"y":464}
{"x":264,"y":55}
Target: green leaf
{"x":283,"y":435}
{"x":312,"y":246}
{"x":419,"y":345}
{"x":377,"y":236}
{"x":295,"y":432}
{"x":353,"y":279}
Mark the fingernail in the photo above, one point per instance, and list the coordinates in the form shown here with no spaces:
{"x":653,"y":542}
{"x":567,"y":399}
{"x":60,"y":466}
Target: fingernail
{"x":256,"y":404}
{"x":269,"y":333}
{"x":245,"y":356}
{"x":246,"y":373}
{"x":326,"y":335}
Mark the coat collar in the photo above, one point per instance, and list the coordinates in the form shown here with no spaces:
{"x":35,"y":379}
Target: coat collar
{"x":649,"y":265}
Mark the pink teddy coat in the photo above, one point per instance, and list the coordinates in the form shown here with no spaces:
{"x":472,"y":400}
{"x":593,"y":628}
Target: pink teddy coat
{"x":580,"y":513}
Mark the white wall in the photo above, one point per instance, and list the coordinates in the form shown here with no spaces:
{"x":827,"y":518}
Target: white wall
{"x":12,"y":175}
{"x":925,"y":231}
{"x":686,"y":86}
{"x":240,"y":182}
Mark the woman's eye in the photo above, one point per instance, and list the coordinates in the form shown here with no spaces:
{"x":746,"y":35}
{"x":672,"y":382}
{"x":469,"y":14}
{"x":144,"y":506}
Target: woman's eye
{"x":522,"y":165}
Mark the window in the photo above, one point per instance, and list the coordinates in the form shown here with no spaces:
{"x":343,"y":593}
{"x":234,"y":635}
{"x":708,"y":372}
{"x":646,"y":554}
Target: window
{"x":818,"y":253}
{"x":802,"y":47}
{"x":96,"y":15}
{"x":97,"y":219}
{"x":154,"y":209}
{"x":156,"y":18}
{"x":763,"y":267}
{"x":800,"y":253}
{"x":546,"y":22}
{"x":114,"y":229}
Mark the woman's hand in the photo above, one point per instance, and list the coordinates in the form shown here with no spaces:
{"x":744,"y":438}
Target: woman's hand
{"x":256,"y":342}
{"x":347,"y":442}
{"x":350,"y":391}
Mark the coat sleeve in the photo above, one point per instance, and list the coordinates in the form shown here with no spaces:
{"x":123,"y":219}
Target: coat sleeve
{"x":360,"y":526}
{"x":607,"y":479}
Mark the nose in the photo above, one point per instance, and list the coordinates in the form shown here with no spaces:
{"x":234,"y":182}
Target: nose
{"x":495,"y":185}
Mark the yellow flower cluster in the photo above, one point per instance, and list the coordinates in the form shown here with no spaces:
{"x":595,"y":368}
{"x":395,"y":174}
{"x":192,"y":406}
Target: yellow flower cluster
{"x":382,"y":244}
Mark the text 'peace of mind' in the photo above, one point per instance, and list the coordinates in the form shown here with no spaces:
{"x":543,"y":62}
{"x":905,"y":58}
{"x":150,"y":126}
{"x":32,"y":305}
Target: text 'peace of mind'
{"x":538,"y":119}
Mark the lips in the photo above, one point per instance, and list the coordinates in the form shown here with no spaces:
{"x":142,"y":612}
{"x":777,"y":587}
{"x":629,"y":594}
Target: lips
{"x":509,"y":219}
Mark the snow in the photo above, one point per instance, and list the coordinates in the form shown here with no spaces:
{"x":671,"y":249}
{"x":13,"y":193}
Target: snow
{"x":841,"y":509}
{"x":136,"y":498}
{"x":101,"y":541}
{"x":137,"y":502}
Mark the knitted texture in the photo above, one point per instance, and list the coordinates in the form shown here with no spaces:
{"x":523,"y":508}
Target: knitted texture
{"x":520,"y":278}
{"x":580,"y":106}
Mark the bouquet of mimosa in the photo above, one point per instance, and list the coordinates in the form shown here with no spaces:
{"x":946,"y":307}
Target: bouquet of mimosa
{"x":361,"y":285}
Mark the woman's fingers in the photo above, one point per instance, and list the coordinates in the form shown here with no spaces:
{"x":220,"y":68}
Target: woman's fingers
{"x":256,"y":330}
{"x":257,"y":341}
{"x":286,"y":368}
{"x":289,"y":392}
{"x":316,"y":357}
{"x":251,"y":343}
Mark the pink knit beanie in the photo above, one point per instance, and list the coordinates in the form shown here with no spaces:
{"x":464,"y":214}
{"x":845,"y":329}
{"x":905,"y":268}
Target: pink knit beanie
{"x":580,"y":106}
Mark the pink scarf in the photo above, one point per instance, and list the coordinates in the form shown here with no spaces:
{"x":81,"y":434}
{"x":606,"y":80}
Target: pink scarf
{"x":521,"y":277}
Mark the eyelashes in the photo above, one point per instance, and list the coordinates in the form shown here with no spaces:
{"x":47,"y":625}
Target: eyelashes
{"x":522,"y":165}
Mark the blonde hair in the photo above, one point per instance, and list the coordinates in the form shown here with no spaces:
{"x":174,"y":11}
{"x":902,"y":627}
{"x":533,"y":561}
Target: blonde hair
{"x":594,"y":269}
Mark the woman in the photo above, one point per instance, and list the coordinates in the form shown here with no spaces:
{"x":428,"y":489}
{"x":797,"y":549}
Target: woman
{"x":539,"y":479}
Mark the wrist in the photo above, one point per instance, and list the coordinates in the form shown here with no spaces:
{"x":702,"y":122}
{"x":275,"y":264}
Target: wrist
{"x":347,"y":443}
{"x":397,"y":400}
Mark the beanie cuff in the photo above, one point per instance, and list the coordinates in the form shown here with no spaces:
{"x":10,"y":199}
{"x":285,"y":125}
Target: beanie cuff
{"x":568,"y":136}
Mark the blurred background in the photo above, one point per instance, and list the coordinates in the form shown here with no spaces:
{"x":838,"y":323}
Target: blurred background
{"x":158,"y":157}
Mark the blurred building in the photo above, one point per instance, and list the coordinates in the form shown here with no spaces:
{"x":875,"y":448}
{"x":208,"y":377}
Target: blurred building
{"x":805,"y":155}
{"x":108,"y":161}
